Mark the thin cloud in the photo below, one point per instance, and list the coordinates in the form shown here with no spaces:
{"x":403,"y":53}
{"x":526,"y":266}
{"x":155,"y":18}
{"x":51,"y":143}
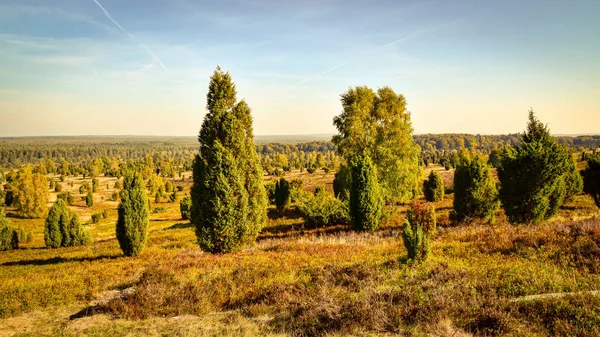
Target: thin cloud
{"x":387,"y":45}
{"x":324,"y":72}
{"x":107,"y":14}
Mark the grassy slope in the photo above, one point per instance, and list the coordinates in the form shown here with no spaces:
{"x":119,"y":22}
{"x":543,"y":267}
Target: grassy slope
{"x":312,"y":282}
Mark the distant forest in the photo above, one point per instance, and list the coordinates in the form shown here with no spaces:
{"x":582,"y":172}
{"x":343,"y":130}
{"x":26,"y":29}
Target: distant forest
{"x":15,"y":152}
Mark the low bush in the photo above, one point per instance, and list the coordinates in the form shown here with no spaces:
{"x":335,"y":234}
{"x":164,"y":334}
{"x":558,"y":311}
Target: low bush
{"x":419,"y":226}
{"x":322,"y":209}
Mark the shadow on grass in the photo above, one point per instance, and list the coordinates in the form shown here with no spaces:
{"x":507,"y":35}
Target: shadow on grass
{"x":58,"y":260}
{"x":181,"y":225}
{"x":288,"y":231}
{"x":291,"y":213}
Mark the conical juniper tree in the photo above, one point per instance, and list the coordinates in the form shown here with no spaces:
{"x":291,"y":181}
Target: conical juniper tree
{"x":62,"y":228}
{"x":132,"y":222}
{"x":533,"y":175}
{"x":366,"y":197}
{"x":591,"y":177}
{"x":228,"y":198}
{"x":433,"y":187}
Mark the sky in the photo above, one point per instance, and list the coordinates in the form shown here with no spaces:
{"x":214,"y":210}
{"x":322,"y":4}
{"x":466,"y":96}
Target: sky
{"x":141,"y":67}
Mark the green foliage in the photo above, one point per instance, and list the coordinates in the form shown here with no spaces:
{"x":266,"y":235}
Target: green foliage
{"x":8,"y":235}
{"x":378,"y":125}
{"x":30,"y":193}
{"x":57,"y":187}
{"x":322,"y":209}
{"x":95,"y":184}
{"x":282,"y":194}
{"x":475,"y":190}
{"x":114,"y":196}
{"x":297,"y":191}
{"x":133,"y":215}
{"x":270,"y":192}
{"x":67,"y":197}
{"x":96,"y":217}
{"x":118,"y":185}
{"x":533,"y":175}
{"x":173,"y":196}
{"x":62,"y":227}
{"x":366,"y":198}
{"x":573,"y":181}
{"x":433,"y":187}
{"x":342,"y":182}
{"x":228,"y":196}
{"x":418,"y":228}
{"x":89,"y":199}
{"x":591,"y":178}
{"x":185,"y":206}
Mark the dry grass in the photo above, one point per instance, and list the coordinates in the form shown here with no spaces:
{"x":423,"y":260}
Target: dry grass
{"x":310,"y":282}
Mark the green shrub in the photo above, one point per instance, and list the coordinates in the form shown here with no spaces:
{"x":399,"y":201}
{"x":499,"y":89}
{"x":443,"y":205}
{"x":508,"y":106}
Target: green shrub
{"x":418,"y":227}
{"x":591,"y":178}
{"x":133,"y":218}
{"x":533,"y":175}
{"x":297,"y":191}
{"x":96,"y":217}
{"x":342,"y":182}
{"x":366,"y":198}
{"x":67,"y":197}
{"x":118,"y":185}
{"x":62,"y":227}
{"x":173,"y":196}
{"x":270,"y":191}
{"x":433,"y":187}
{"x":89,"y":200}
{"x":114,"y":196}
{"x":9,"y":238}
{"x":322,"y":209}
{"x":282,"y":195}
{"x":57,"y":187}
{"x":475,"y":191}
{"x":180,"y":188}
{"x":105,"y":214}
{"x":185,"y":206}
{"x":95,"y":184}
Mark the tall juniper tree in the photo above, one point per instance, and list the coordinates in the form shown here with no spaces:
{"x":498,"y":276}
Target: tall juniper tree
{"x":228,"y":198}
{"x":366,"y":198}
{"x":533,"y":175}
{"x":132,"y":223}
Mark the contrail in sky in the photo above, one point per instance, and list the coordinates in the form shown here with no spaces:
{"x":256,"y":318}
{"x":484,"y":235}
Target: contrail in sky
{"x":408,"y":37}
{"x":107,"y":14}
{"x":324,"y":72}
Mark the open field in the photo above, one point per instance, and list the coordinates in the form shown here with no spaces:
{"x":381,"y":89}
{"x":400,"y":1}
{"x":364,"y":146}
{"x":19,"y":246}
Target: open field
{"x":307,"y":282}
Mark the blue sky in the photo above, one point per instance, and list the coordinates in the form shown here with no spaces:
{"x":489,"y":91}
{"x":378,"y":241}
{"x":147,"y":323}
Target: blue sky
{"x":67,"y":67}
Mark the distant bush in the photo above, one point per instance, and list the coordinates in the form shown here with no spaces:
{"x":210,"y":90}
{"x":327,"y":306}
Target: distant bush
{"x":57,"y":187}
{"x":105,"y":214}
{"x":160,"y":209}
{"x":89,"y":199}
{"x":95,"y":185}
{"x":475,"y":191}
{"x":185,"y":206}
{"x":173,"y":196}
{"x":282,"y":194}
{"x":96,"y":217}
{"x":366,"y":198}
{"x":591,"y":177}
{"x":114,"y":196}
{"x":118,"y":185}
{"x":433,"y":187}
{"x":67,"y":197}
{"x":419,"y":226}
{"x":9,"y":238}
{"x":297,"y":191}
{"x":322,"y":209}
{"x":180,"y":188}
{"x":270,"y":189}
{"x":169,"y":187}
{"x":62,"y":228}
